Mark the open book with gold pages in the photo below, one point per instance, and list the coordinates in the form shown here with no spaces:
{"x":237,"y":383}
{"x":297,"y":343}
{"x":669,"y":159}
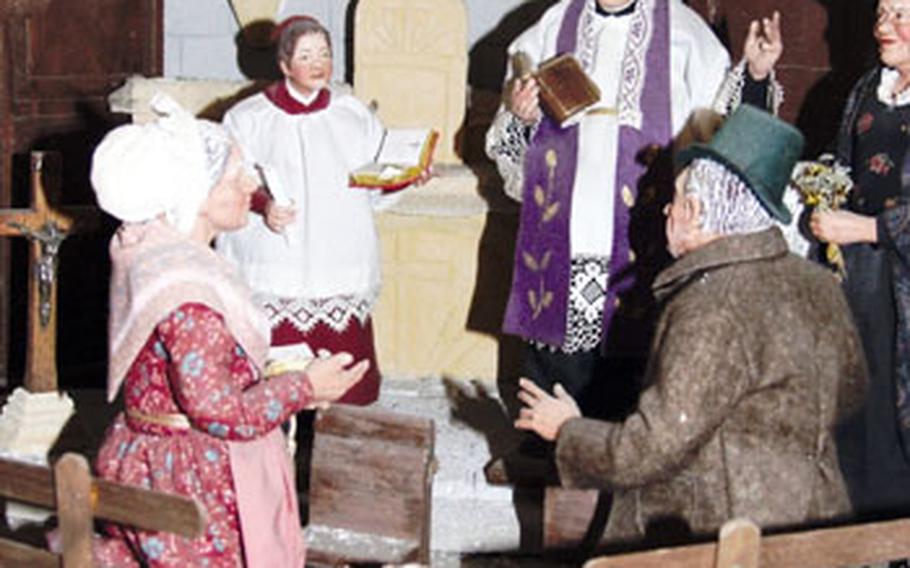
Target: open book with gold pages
{"x":404,"y":156}
{"x":565,"y":88}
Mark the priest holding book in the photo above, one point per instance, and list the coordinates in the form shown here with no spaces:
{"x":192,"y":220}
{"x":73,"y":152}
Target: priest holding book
{"x":312,"y":254}
{"x":592,"y":185}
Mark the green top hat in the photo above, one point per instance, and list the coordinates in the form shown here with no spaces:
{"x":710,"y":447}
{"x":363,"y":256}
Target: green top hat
{"x":759,"y":148}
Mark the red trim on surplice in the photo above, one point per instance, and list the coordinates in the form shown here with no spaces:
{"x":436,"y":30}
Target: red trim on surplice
{"x":279,"y":96}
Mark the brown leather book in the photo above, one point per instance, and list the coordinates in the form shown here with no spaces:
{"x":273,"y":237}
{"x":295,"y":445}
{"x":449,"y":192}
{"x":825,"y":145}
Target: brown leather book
{"x":565,"y":89}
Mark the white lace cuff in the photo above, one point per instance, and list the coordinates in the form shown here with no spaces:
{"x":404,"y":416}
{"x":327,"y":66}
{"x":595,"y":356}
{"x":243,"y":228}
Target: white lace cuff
{"x":731,"y":90}
{"x":507,"y":141}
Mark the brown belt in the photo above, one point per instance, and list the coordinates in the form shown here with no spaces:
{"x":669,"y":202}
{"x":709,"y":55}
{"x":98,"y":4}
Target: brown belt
{"x":175,"y":420}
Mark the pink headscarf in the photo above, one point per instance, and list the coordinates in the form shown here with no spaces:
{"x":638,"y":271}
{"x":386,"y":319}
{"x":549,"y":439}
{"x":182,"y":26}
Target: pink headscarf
{"x":155,"y":269}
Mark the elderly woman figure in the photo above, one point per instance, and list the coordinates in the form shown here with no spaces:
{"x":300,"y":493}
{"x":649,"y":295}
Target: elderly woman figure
{"x":754,"y":360}
{"x":187,"y":349}
{"x":875,"y":240}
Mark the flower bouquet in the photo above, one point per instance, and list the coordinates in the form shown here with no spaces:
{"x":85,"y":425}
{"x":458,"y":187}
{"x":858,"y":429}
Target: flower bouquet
{"x":825,"y":185}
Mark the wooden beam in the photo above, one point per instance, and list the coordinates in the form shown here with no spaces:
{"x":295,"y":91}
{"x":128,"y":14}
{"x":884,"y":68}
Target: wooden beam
{"x":385,"y":459}
{"x":13,"y":553}
{"x":134,"y":506}
{"x":852,"y":545}
{"x":149,"y":510}
{"x":73,"y":484}
{"x":839,"y":546}
{"x":28,"y":483}
{"x":357,"y":422}
{"x":692,"y":556}
{"x":740,"y":541}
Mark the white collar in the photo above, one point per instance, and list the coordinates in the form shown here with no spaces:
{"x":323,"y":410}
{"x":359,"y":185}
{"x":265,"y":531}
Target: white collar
{"x":616,"y":11}
{"x":298,"y":96}
{"x":885,"y":90}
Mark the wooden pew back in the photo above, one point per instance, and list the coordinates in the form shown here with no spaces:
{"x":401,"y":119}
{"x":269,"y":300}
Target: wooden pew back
{"x":741,"y":545}
{"x":79,"y":499}
{"x":370,"y":487}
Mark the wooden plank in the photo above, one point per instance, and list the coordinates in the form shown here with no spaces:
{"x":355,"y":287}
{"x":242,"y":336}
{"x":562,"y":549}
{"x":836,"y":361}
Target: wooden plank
{"x":16,"y":554}
{"x":374,"y":424}
{"x":693,"y":556}
{"x":28,"y":483}
{"x":739,"y":544}
{"x":839,"y":546}
{"x":430,"y":468}
{"x":392,"y":468}
{"x":142,"y":508}
{"x":349,"y":474}
{"x":371,"y":483}
{"x":853,"y":545}
{"x":74,"y":510}
{"x":384,"y":515}
{"x":149,"y":510}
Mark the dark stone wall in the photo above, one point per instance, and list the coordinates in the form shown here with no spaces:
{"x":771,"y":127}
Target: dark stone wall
{"x":827,"y":46}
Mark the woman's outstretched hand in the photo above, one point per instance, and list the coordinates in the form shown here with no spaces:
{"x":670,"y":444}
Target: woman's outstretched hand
{"x":332,"y":376}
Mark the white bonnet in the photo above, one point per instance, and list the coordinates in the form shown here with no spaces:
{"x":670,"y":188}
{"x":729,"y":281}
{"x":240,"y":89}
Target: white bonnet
{"x":166,"y":166}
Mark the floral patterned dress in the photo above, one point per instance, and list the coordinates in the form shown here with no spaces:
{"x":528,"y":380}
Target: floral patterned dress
{"x":191,"y":365}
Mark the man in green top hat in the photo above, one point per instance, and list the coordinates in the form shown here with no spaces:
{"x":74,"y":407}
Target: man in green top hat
{"x":754,"y":361}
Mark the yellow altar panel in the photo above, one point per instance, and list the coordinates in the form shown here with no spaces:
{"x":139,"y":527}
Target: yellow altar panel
{"x":429,"y":273}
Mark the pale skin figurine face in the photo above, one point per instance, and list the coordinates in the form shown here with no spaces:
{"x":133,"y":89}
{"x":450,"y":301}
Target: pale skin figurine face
{"x":228,"y":202}
{"x":608,"y":4}
{"x":892,"y":32}
{"x":682,"y":219}
{"x":309,"y":68}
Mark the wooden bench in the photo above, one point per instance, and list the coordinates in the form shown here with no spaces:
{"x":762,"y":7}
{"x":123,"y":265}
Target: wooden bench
{"x":574,"y":518}
{"x":79,"y":499}
{"x":370,"y":487}
{"x":741,"y":545}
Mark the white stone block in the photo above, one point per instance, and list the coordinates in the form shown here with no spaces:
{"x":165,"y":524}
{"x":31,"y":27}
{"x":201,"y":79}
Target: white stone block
{"x":213,"y":57}
{"x":199,"y":17}
{"x":173,"y":51}
{"x":31,"y":422}
{"x":485,"y":15}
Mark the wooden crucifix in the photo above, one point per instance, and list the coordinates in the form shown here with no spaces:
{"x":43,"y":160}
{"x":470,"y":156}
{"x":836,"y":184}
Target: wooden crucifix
{"x":45,"y":227}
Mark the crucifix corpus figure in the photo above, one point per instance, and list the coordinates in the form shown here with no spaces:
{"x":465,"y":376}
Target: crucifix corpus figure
{"x":34,"y":415}
{"x":46,"y":228}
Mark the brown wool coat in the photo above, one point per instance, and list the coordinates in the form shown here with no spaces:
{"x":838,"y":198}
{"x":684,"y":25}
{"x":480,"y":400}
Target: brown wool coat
{"x":754,"y":360}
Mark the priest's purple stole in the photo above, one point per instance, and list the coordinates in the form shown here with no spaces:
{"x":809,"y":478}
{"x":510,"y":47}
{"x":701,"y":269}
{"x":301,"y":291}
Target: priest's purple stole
{"x":538,"y":301}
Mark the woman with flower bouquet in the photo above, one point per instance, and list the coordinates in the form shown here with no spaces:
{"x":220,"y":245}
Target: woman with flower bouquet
{"x":824,"y":185}
{"x":873,"y":233}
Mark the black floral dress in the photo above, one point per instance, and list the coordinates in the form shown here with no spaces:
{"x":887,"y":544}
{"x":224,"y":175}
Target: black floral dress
{"x":875,"y":445}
